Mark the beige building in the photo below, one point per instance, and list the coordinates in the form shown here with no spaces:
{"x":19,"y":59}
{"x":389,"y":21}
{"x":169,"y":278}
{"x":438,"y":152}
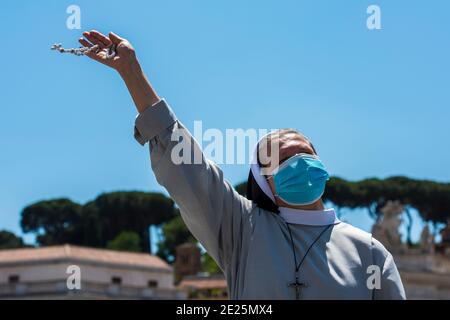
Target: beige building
{"x":58,"y":272}
{"x":204,"y":286}
{"x":425,"y":276}
{"x":191,"y":281}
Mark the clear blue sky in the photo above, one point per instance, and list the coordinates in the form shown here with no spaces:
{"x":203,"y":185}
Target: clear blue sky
{"x":375,"y":103}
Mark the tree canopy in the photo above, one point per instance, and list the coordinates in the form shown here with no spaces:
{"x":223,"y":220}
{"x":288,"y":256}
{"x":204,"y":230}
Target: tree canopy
{"x":174,"y":233}
{"x":99,"y":221}
{"x":9,"y":240}
{"x":126,"y":241}
{"x":53,"y":222}
{"x":431,"y":199}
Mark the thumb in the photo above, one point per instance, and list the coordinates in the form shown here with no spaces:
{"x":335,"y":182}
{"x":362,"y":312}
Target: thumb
{"x":115,"y":38}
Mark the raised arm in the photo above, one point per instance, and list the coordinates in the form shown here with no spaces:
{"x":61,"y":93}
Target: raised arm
{"x":125,"y":63}
{"x":213,"y":211}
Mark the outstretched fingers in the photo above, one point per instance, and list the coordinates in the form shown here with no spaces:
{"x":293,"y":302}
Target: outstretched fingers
{"x":92,"y":39}
{"x":105,"y":41}
{"x":100,"y":46}
{"x":84,"y":43}
{"x":95,"y":54}
{"x":115,"y":38}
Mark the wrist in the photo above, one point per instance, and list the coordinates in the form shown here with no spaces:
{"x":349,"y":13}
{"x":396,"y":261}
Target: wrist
{"x":129,"y":69}
{"x":138,"y":85}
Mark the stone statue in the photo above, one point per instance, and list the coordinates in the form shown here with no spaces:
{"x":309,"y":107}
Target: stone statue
{"x":445,"y":236}
{"x":426,"y":240}
{"x":386,"y":230}
{"x":445,"y":233}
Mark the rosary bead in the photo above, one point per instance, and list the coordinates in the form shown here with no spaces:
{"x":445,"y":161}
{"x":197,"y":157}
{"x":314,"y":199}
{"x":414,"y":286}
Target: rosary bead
{"x":110,"y":52}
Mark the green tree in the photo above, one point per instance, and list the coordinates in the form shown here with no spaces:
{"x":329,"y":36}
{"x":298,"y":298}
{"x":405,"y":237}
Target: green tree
{"x":9,"y":240}
{"x":53,"y":222}
{"x":174,"y":233}
{"x":99,"y":221}
{"x":126,"y":241}
{"x":111,"y":213}
{"x":209,"y":264}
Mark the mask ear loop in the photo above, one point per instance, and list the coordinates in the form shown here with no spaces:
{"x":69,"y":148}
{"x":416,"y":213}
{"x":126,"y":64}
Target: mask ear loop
{"x":275,"y":194}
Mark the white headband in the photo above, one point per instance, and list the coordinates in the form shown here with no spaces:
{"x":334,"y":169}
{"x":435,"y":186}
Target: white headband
{"x":256,"y":171}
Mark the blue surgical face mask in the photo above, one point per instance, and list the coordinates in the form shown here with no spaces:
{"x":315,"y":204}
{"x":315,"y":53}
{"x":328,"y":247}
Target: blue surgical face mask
{"x":300,"y":180}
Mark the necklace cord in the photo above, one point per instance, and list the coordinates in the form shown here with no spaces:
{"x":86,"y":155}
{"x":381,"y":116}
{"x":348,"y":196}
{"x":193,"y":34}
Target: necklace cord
{"x":297,"y":266}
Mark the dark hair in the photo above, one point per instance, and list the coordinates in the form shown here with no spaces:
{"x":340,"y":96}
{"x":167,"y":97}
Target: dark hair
{"x":255,"y":193}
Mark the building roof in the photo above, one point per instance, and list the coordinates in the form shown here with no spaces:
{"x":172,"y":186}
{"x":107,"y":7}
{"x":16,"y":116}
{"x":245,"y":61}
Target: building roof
{"x":82,"y":254}
{"x":203,"y":282}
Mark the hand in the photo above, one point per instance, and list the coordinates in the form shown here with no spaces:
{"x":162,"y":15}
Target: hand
{"x":125,"y":54}
{"x":125,"y":62}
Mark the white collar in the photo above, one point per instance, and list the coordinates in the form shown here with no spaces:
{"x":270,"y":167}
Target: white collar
{"x":309,"y":217}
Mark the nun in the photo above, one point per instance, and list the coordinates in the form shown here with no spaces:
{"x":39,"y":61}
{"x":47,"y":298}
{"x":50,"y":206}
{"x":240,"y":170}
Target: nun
{"x":278,"y":242}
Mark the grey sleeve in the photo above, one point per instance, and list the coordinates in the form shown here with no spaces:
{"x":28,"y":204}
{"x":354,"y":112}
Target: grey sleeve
{"x":212,"y":210}
{"x":391,"y":286}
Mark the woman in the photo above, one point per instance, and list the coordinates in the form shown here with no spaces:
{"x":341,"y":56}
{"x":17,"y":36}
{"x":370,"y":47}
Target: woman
{"x":279,"y":242}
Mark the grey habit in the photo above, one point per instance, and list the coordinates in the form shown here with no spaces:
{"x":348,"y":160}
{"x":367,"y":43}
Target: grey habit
{"x":251,"y":245}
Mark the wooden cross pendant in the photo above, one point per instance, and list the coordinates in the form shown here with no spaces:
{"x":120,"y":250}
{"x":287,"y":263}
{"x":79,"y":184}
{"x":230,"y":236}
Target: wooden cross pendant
{"x":298,"y":286}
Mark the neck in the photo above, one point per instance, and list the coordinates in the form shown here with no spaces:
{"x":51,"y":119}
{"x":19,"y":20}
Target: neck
{"x":316,"y":206}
